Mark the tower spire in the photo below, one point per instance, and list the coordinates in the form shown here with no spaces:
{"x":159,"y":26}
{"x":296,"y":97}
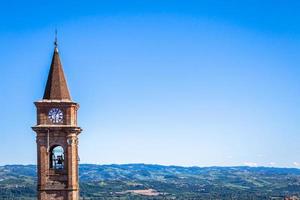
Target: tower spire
{"x":56,"y":87}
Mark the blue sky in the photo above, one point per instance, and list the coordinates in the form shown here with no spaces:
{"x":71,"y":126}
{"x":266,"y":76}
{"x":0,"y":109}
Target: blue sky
{"x":169,"y":82}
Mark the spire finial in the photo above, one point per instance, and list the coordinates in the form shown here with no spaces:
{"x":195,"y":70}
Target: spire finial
{"x":55,"y":40}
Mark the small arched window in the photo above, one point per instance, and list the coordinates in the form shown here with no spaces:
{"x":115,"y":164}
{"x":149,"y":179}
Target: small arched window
{"x":57,"y":158}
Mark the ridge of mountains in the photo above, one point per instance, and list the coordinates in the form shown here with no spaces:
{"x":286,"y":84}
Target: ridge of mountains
{"x":144,"y":181}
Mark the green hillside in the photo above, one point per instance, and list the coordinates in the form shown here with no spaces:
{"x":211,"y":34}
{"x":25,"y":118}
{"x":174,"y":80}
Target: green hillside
{"x":140,"y":181}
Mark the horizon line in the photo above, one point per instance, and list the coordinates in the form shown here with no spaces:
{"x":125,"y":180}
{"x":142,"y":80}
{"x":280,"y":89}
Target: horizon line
{"x":191,"y":166}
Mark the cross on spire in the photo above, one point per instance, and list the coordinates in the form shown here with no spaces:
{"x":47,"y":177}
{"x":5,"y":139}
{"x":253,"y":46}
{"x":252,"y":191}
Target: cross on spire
{"x":55,"y":40}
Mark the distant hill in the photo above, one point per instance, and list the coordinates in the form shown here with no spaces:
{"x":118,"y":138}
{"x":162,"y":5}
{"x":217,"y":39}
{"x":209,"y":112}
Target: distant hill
{"x":140,"y":181}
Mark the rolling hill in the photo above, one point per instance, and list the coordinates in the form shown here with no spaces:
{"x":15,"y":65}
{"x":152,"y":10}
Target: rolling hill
{"x":141,"y":181}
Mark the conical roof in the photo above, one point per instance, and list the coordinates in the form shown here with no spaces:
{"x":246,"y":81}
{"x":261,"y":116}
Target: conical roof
{"x":56,"y":87}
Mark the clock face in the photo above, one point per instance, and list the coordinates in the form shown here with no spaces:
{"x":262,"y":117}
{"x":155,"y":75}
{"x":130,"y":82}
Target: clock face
{"x":55,"y":115}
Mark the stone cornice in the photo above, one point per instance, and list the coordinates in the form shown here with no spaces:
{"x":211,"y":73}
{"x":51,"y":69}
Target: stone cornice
{"x":66,"y":128}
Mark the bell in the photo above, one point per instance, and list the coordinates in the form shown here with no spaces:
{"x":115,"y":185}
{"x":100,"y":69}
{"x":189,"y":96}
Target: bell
{"x":59,"y":160}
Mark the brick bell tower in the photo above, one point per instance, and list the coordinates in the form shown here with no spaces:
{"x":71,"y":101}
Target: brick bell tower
{"x":57,"y":138}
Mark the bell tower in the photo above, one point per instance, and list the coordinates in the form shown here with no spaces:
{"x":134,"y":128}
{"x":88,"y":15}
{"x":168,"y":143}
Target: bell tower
{"x":57,"y":138}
